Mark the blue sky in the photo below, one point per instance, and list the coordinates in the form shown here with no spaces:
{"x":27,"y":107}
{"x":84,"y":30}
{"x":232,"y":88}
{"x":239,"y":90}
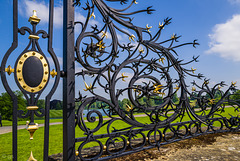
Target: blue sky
{"x":215,"y":23}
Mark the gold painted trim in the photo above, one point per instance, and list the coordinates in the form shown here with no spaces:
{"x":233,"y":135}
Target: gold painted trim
{"x":19,"y":74}
{"x":76,"y":153}
{"x":34,"y":17}
{"x":32,"y":129}
{"x":53,"y":73}
{"x":32,"y":107}
{"x":31,"y":158}
{"x":33,"y":37}
{"x":9,"y":70}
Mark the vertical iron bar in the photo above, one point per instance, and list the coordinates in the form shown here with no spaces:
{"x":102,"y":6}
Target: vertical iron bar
{"x":14,"y":98}
{"x":68,"y":82}
{"x":47,"y":100}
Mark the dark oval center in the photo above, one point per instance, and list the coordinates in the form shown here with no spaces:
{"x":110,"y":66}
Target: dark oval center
{"x":32,"y":71}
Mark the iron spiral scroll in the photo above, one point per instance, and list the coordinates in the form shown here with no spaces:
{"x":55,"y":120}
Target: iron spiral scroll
{"x":154,"y":73}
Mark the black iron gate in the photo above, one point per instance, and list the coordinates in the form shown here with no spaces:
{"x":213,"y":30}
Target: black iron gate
{"x":159,"y":108}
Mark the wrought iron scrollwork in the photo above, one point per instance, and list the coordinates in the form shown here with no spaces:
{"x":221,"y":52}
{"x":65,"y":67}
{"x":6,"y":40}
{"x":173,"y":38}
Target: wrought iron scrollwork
{"x":154,"y":73}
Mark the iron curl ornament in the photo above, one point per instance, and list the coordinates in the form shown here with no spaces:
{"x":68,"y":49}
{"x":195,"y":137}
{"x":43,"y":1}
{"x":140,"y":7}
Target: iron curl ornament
{"x":152,"y":72}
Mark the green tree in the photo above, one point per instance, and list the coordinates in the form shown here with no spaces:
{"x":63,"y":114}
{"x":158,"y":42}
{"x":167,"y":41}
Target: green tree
{"x":41,"y":103}
{"x":236,"y":96}
{"x":158,"y":100}
{"x":6,"y":106}
{"x":59,"y":106}
{"x":175,"y":98}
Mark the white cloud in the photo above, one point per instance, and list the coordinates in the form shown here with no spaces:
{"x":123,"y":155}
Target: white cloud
{"x":225,"y":39}
{"x":27,"y":6}
{"x":234,"y":1}
{"x":50,"y":61}
{"x":26,"y":9}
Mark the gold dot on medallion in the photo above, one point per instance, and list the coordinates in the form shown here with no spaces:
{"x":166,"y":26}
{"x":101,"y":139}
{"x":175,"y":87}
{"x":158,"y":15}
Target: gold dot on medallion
{"x":44,"y":80}
{"x":76,"y":153}
{"x":45,"y":65}
{"x":19,"y":79}
{"x":32,"y":90}
{"x":40,"y":87}
{"x":25,"y":55}
{"x":18,"y":70}
{"x":104,"y":147}
{"x":24,"y":86}
{"x":33,"y":53}
{"x":20,"y":62}
{"x":46,"y":72}
{"x":41,"y":57}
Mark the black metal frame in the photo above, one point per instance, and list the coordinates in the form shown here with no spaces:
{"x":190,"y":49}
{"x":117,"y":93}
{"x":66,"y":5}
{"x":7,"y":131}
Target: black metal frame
{"x":153,"y":71}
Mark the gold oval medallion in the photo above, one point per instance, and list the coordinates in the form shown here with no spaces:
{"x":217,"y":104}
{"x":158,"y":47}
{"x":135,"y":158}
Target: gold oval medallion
{"x":32,"y":71}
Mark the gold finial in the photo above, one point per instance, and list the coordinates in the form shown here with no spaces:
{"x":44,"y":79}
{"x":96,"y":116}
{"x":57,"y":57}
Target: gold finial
{"x":234,"y":84}
{"x":88,"y":88}
{"x":32,"y":129}
{"x":148,"y":28}
{"x":31,"y":158}
{"x":219,"y":87}
{"x":92,"y":15}
{"x":134,"y":1}
{"x":193,"y":89}
{"x":34,"y":18}
{"x":211,"y":101}
{"x":53,"y":73}
{"x":206,"y":82}
{"x":139,"y":92}
{"x":141,"y":50}
{"x":100,"y":44}
{"x":160,"y":26}
{"x":177,"y":87}
{"x":162,"y":60}
{"x":124,"y":76}
{"x":129,"y":108}
{"x":104,"y":34}
{"x":9,"y":70}
{"x":132,"y":37}
{"x":193,"y":70}
{"x":157,"y":88}
{"x":173,"y":36}
{"x":34,"y":14}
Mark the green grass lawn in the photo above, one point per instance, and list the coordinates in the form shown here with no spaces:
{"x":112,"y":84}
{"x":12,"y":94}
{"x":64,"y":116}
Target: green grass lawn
{"x":25,"y":146}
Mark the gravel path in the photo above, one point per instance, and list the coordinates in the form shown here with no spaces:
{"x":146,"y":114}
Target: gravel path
{"x":7,"y":129}
{"x":212,"y":147}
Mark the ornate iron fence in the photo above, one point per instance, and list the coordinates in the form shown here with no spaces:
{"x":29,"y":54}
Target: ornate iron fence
{"x":160,"y":108}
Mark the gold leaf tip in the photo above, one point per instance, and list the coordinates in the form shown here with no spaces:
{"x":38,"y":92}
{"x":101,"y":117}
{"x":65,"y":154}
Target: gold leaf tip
{"x":31,"y":158}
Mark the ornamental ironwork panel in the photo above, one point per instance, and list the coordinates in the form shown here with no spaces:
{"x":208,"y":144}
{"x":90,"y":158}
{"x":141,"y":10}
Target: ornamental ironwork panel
{"x":144,"y":69}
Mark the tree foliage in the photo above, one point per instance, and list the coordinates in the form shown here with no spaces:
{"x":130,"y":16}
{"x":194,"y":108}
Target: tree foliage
{"x":6,"y":106}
